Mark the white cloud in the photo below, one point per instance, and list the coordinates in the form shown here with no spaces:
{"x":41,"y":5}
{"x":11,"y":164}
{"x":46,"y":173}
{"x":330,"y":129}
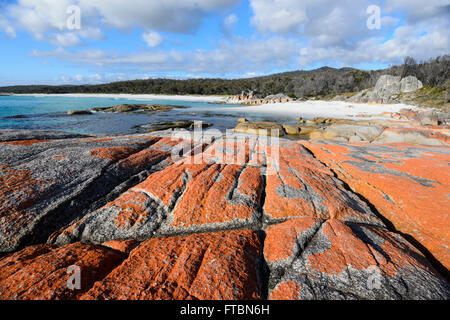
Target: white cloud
{"x":64,"y":39}
{"x":335,"y":32}
{"x":231,"y":20}
{"x":152,"y":38}
{"x":278,"y":15}
{"x":6,"y":27}
{"x":42,"y":16}
{"x":47,"y":19}
{"x":290,"y":33}
{"x":229,"y":23}
{"x":230,"y":57}
{"x":165,"y":15}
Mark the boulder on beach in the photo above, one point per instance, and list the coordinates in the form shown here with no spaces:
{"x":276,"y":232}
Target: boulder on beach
{"x":292,"y":129}
{"x":260,"y":128}
{"x":346,"y":133}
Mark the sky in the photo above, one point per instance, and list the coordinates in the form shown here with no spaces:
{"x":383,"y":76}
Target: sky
{"x":96,"y":41}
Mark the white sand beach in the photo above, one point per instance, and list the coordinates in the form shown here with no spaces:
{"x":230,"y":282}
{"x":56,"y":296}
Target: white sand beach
{"x":306,"y":109}
{"x":330,"y":109}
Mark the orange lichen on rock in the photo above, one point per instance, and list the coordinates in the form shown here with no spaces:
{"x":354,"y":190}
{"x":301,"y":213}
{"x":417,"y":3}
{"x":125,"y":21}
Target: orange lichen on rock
{"x":340,"y":260}
{"x":124,"y":246}
{"x":112,"y":154}
{"x":428,"y":132}
{"x":221,"y":193}
{"x":25,"y":143}
{"x":42,"y":272}
{"x":288,"y":290}
{"x":302,"y":186}
{"x":144,"y":157}
{"x":59,"y":157}
{"x":282,"y":239}
{"x":18,"y":192}
{"x":132,"y":209}
{"x":166,"y":184}
{"x":213,"y":266}
{"x":407,"y":185}
{"x":390,"y":255}
{"x":94,"y":140}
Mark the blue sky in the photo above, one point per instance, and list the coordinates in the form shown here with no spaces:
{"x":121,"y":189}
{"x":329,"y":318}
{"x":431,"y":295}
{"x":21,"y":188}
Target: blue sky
{"x":140,"y":39}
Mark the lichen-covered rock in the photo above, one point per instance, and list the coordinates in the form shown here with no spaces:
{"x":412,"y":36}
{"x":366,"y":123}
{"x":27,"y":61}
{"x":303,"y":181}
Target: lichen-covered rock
{"x":124,"y":246}
{"x":46,"y":184}
{"x":171,"y":216}
{"x":302,"y":187}
{"x":213,"y":266}
{"x":410,"y":84}
{"x":387,"y":89}
{"x":407,"y":184}
{"x":179,"y":198}
{"x":43,"y":272}
{"x":347,"y":261}
{"x":419,"y":136}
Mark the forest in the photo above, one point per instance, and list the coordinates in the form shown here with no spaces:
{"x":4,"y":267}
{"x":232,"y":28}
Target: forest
{"x":296,"y":84}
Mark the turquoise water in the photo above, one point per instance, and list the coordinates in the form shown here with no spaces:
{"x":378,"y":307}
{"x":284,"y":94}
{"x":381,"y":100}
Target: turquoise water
{"x":50,"y":113}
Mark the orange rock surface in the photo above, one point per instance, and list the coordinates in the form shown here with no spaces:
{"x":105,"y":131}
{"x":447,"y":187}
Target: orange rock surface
{"x":303,"y":187}
{"x":344,"y":261}
{"x":233,"y":218}
{"x":212,"y":266}
{"x":407,"y":184}
{"x":41,"y":272}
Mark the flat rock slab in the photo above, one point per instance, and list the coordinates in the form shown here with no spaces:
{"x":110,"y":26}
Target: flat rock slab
{"x":20,"y":135}
{"x":213,"y":266}
{"x":336,"y":260}
{"x":409,"y":185}
{"x":46,"y":184}
{"x":175,"y":217}
{"x":181,"y":198}
{"x":42,"y":272}
{"x":301,"y":186}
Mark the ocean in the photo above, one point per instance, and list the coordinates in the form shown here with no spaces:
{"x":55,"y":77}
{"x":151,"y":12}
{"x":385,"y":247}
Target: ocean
{"x":50,"y":113}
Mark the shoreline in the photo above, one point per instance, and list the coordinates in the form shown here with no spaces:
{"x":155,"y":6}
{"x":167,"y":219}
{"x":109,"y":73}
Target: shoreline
{"x":307,"y":110}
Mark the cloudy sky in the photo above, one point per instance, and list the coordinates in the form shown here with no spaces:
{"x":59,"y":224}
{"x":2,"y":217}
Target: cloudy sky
{"x":96,"y":41}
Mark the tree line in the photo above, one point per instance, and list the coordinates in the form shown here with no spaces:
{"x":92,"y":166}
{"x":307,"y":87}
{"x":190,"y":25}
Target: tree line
{"x":319,"y":82}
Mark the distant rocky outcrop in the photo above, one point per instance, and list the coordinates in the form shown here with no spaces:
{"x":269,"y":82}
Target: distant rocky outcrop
{"x":250,"y":97}
{"x":133,"y":108}
{"x":387,"y":89}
